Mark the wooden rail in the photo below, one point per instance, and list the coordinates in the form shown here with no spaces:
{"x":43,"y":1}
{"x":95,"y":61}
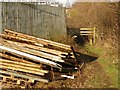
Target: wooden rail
{"x":20,"y":40}
{"x":33,"y":52}
{"x":6,"y":65}
{"x":32,"y":57}
{"x":39,"y":40}
{"x":43,"y":49}
{"x":18,"y":59}
{"x":19,"y":63}
{"x":31,"y":77}
{"x":5,"y":62}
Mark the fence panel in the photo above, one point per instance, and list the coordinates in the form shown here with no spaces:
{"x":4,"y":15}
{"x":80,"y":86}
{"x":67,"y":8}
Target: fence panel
{"x":38,"y":20}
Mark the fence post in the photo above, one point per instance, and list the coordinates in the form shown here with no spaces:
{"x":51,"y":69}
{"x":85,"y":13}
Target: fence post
{"x":94,"y":35}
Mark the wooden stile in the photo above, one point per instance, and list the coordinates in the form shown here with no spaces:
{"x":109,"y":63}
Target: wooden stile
{"x":89,"y":32}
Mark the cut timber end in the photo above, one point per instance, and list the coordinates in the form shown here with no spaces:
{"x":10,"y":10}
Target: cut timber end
{"x":4,"y":79}
{"x":18,"y":81}
{"x":31,"y":81}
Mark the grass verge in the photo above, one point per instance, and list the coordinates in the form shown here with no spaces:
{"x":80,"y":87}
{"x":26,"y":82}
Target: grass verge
{"x":107,"y":60}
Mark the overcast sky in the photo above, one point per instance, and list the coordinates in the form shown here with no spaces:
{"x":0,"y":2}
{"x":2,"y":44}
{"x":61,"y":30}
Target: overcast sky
{"x":62,"y":1}
{"x":65,"y":1}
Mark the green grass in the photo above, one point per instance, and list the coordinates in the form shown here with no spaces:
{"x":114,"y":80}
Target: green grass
{"x":93,"y":49}
{"x":105,"y":59}
{"x":95,"y":82}
{"x":111,"y":69}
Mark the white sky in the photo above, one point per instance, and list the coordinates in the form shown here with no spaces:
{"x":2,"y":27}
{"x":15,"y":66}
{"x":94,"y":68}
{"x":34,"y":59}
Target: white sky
{"x":61,"y":1}
{"x":64,"y":1}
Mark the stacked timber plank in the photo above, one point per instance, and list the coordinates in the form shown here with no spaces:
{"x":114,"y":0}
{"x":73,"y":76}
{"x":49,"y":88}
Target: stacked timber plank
{"x":27,"y":58}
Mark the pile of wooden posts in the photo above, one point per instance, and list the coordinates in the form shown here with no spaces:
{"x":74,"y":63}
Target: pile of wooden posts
{"x":27,"y":58}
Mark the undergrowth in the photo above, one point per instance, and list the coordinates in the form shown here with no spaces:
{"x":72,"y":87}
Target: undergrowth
{"x":107,"y":59}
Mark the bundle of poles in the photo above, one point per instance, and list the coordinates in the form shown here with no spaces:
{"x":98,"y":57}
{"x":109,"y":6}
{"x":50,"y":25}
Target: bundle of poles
{"x":28,"y":58}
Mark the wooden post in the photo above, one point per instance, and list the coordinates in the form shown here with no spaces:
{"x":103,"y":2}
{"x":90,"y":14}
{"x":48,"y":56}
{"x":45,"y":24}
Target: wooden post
{"x":76,"y":60}
{"x":91,"y":41}
{"x":94,"y":36}
{"x":52,"y":73}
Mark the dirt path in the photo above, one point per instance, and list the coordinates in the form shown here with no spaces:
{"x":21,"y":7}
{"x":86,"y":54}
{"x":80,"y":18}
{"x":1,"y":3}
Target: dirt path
{"x":97,"y":76}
